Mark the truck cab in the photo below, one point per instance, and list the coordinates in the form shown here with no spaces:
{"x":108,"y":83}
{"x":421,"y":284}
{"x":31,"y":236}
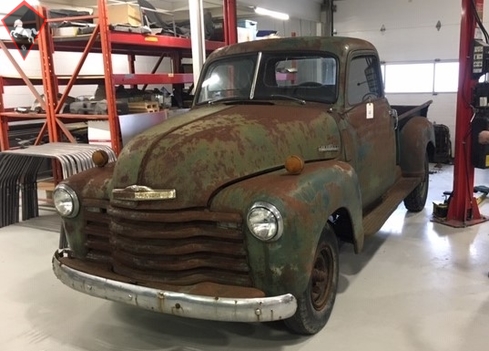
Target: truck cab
{"x":233,"y":211}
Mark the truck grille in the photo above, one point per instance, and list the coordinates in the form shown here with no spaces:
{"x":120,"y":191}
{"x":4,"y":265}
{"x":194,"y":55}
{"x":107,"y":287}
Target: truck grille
{"x":178,"y":248}
{"x":97,"y":232}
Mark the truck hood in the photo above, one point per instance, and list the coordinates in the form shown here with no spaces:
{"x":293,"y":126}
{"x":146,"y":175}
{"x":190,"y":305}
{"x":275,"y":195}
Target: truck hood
{"x":197,"y":153}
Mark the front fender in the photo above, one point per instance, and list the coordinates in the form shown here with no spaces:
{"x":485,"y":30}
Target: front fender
{"x":305,"y":201}
{"x":93,"y":188}
{"x":416,"y":136}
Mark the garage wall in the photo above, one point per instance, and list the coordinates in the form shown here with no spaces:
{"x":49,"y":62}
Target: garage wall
{"x":410,"y":27}
{"x":410,"y":35}
{"x":285,"y":28}
{"x":308,"y":10}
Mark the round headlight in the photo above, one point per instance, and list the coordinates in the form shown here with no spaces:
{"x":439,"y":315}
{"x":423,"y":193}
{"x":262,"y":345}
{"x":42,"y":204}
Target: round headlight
{"x":265,"y":221}
{"x":66,"y":201}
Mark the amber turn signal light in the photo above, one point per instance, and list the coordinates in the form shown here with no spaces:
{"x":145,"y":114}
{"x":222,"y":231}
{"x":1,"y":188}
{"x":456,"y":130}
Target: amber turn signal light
{"x":100,"y":158}
{"x":294,"y":164}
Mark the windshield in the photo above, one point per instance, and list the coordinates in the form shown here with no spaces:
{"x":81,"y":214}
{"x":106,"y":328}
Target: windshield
{"x":309,"y":77}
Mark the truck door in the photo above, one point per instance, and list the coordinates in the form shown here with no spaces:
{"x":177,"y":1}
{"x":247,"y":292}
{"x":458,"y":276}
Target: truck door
{"x":373,"y":147}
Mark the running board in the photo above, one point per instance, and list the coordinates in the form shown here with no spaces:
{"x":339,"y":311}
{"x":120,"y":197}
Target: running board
{"x":376,"y":218}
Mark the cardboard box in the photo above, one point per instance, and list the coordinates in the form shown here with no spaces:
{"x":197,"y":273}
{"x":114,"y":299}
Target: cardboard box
{"x":65,"y":32}
{"x":46,"y":186}
{"x":123,"y":14}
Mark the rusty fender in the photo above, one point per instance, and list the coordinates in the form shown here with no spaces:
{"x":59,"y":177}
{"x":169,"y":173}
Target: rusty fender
{"x":305,"y":202}
{"x":416,"y":138}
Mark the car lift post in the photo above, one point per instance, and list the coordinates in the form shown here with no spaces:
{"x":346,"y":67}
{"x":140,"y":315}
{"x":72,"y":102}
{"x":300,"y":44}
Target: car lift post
{"x":463,"y":209}
{"x":230,"y":22}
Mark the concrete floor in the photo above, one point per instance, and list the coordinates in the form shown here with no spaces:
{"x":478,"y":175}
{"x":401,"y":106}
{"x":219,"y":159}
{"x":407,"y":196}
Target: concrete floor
{"x":417,"y":286}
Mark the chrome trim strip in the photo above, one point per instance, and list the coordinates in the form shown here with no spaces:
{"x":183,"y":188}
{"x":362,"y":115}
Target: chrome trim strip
{"x":255,"y":76}
{"x":185,"y":305}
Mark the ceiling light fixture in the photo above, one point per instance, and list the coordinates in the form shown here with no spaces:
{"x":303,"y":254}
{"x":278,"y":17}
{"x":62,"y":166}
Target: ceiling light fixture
{"x":278,"y":15}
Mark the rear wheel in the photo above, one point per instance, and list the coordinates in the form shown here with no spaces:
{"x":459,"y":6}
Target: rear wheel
{"x":416,"y":200}
{"x":315,"y":304}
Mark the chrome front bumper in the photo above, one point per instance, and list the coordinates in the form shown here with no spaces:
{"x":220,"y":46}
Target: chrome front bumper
{"x":185,"y":305}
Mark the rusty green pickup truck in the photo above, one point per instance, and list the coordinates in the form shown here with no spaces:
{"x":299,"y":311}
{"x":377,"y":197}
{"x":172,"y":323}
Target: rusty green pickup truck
{"x":234,"y":210}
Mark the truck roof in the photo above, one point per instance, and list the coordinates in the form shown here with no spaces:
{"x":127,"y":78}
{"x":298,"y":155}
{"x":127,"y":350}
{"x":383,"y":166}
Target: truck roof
{"x":340,"y":46}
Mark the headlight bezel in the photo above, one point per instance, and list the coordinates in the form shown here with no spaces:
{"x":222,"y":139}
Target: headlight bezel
{"x":261,"y":205}
{"x":74,"y":200}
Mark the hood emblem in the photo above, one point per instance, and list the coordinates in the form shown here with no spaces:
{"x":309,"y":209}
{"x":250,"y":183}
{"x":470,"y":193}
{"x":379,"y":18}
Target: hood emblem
{"x":328,"y":148}
{"x":143,"y":193}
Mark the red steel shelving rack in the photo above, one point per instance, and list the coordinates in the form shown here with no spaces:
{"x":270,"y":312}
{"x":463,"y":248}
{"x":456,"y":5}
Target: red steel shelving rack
{"x":106,"y":42}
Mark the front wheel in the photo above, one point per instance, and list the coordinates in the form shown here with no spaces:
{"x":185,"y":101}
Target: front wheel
{"x":416,"y":200}
{"x":315,"y":304}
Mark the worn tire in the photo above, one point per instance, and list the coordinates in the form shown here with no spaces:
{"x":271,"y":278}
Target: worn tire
{"x":315,"y":304}
{"x":416,"y":200}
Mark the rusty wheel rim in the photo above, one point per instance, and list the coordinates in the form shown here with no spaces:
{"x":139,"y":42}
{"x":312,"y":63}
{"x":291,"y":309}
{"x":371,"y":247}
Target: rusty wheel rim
{"x":424,"y":183}
{"x":322,"y":277}
{"x":426,"y":175}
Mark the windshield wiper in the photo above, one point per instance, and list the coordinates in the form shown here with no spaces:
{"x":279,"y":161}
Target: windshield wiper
{"x":300,"y":101}
{"x":229,"y":99}
{"x":238,"y":101}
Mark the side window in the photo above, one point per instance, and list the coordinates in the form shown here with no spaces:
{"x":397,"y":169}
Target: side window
{"x":364,"y":79}
{"x":227,"y":79}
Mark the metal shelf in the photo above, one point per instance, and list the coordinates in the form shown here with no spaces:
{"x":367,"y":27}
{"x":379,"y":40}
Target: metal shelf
{"x":119,"y":78}
{"x":62,"y":80}
{"x":106,"y":42}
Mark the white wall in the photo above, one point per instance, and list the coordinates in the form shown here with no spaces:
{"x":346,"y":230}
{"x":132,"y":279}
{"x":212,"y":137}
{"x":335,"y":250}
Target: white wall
{"x":309,"y":10}
{"x":285,"y":28}
{"x":8,"y":6}
{"x":410,"y":35}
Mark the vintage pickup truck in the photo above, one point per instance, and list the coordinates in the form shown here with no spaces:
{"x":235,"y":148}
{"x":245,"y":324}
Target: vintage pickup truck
{"x":233,"y":211}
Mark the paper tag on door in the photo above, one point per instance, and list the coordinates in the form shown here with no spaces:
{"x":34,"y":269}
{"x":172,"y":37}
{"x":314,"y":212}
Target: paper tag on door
{"x":370,"y":110}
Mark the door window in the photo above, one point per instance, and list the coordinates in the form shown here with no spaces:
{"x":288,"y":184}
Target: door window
{"x":364,"y":80}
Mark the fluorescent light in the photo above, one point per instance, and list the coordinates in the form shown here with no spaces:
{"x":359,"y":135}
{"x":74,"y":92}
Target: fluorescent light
{"x":274,"y":14}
